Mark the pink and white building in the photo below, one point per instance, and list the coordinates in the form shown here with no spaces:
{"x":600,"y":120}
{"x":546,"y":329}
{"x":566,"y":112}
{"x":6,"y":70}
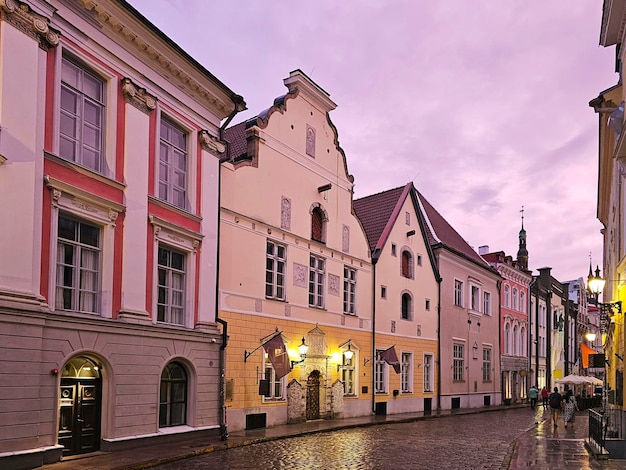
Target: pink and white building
{"x":110,"y":145}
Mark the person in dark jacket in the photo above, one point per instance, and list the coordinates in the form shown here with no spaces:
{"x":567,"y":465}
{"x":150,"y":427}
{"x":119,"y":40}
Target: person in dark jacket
{"x":556,"y":403}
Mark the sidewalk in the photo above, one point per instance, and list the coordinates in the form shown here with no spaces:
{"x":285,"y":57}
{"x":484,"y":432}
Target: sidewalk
{"x":525,"y":450}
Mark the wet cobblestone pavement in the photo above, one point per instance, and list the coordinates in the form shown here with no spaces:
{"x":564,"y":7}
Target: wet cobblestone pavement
{"x":478,"y":441}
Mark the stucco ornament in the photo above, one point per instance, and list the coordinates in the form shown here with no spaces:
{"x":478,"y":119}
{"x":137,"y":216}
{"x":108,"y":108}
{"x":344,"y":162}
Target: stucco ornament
{"x":26,"y":20}
{"x":137,"y":96}
{"x":211,"y":144}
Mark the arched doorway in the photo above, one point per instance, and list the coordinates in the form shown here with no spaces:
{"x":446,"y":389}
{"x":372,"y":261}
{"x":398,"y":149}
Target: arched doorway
{"x":80,"y":403}
{"x":313,"y":395}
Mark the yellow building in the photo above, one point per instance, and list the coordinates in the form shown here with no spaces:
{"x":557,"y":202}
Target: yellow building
{"x":294,"y":264}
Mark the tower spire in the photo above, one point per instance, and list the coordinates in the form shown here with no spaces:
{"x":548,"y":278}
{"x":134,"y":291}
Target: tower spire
{"x":522,"y":252}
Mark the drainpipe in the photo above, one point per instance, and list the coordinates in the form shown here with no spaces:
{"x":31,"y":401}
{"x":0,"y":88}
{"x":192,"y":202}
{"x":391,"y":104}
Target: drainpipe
{"x":439,"y":279}
{"x":375,"y":256}
{"x":240,"y":105}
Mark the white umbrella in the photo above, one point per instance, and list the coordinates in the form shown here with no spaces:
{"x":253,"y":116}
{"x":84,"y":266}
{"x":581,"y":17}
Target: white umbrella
{"x":593,"y":380}
{"x":572,"y":379}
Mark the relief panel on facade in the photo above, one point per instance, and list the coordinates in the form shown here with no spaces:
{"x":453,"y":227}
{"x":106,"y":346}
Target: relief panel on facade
{"x":333,"y":284}
{"x":285,"y":213}
{"x":299,"y":275}
{"x":345,"y":239}
{"x":310,"y":141}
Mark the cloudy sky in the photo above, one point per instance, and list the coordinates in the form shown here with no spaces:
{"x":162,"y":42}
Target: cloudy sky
{"x":483,"y":104}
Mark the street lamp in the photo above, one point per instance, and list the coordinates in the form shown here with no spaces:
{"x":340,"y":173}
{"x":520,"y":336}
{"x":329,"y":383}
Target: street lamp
{"x":302,"y":349}
{"x":590,"y":336}
{"x":595,"y":283}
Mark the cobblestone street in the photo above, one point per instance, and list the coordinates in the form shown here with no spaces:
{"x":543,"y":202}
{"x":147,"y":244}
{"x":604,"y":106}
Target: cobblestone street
{"x":460,"y":442}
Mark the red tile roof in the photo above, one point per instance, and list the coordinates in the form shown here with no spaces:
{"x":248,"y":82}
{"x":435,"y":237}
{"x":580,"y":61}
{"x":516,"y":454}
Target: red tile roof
{"x":236,"y":138}
{"x":440,"y":231}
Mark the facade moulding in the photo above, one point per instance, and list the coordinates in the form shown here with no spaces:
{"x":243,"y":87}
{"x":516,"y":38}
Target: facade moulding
{"x":211,"y":144}
{"x":21,"y":16}
{"x":137,"y":96}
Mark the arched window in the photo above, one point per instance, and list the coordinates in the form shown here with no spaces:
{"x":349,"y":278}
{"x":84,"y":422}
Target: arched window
{"x":317,"y":225}
{"x":515,"y":341}
{"x":173,"y":396}
{"x":522,"y":302}
{"x":507,"y":339}
{"x":515,"y":305}
{"x":407,"y":304}
{"x":507,"y":296}
{"x":522,"y":336}
{"x":407,"y":264}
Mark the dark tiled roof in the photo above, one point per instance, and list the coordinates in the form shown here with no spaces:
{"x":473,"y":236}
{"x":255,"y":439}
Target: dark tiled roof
{"x":236,"y":138}
{"x":375,"y":212}
{"x":445,"y":234}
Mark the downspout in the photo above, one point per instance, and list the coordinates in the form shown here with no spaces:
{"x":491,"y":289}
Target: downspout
{"x":375,"y":256}
{"x":439,"y":280}
{"x":240,"y":105}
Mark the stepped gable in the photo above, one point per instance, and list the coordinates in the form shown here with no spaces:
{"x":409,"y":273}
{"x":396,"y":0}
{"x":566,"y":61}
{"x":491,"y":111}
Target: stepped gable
{"x":375,"y":213}
{"x":441,"y":232}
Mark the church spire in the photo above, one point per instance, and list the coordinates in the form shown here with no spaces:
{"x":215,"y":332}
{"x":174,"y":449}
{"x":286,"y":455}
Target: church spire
{"x":522,"y":252}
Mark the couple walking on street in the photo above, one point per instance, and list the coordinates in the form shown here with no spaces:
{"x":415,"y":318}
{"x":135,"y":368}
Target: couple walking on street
{"x":533,"y":395}
{"x":567,"y":404}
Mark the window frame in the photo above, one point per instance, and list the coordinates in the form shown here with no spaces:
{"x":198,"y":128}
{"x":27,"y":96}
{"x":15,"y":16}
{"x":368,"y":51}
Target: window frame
{"x":428,"y":372}
{"x":507,"y":296}
{"x":275,"y":384}
{"x":381,"y":373}
{"x":406,"y":372}
{"x":276,"y":284}
{"x":188,"y":195}
{"x":486,"y":303}
{"x":487,"y":361}
{"x":171,"y":272}
{"x":406,"y":308}
{"x":349,"y":290}
{"x":458,"y":293}
{"x":474,"y":297}
{"x":349,"y":373}
{"x":317,"y":281}
{"x":406,"y":263}
{"x":168,"y":403}
{"x":458,"y":362}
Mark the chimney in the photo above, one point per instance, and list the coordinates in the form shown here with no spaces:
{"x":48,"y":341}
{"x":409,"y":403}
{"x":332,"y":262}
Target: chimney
{"x":483,"y":250}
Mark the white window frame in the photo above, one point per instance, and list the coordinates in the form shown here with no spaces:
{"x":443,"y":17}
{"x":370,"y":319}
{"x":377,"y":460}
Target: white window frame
{"x":487,"y":362}
{"x":349,"y":372}
{"x":184,"y":241}
{"x":381,"y":373}
{"x":96,"y":211}
{"x":317,"y":281}
{"x":279,"y":280}
{"x":474,"y":297}
{"x":458,"y":293}
{"x":515,"y":305}
{"x":507,"y":338}
{"x":274,"y":382}
{"x":109,"y":117}
{"x":487,"y":303}
{"x":406,"y":372}
{"x":507,"y":296}
{"x":429,"y":372}
{"x":458,"y":362}
{"x":522,"y":301}
{"x":171,"y":272}
{"x":349,"y":290}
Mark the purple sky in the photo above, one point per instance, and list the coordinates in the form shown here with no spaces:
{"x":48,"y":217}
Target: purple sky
{"x":482,"y":104}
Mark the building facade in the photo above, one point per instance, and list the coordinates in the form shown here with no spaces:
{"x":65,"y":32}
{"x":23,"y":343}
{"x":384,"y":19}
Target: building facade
{"x":406,"y":301}
{"x":295,"y":266}
{"x":110,"y":145}
{"x":469,"y":337}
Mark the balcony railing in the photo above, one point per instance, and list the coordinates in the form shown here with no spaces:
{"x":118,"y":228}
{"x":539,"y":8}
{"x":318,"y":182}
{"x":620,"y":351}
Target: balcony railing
{"x":604,"y":425}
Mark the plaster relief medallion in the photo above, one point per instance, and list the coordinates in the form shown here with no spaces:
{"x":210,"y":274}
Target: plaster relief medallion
{"x":299,"y":275}
{"x":343,"y":320}
{"x":258,"y":305}
{"x":333,"y":284}
{"x":287,"y":310}
{"x":310,"y":141}
{"x":393,"y":326}
{"x":419,"y":330}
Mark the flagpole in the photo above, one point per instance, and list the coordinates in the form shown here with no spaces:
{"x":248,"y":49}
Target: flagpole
{"x":247,"y":354}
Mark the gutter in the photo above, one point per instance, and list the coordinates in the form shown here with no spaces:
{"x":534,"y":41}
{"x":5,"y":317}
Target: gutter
{"x":375,"y":256}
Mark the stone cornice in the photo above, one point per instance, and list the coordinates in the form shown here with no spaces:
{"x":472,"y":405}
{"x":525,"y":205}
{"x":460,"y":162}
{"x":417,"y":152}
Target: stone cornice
{"x":159,"y":57}
{"x":138,"y":96}
{"x":26,"y":20}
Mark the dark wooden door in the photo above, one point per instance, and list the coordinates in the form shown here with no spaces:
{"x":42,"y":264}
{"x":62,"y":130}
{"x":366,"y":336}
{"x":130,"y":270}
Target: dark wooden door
{"x":313,"y":396}
{"x":79,"y":420}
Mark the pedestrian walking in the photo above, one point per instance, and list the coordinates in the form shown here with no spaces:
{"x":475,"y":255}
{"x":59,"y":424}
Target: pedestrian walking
{"x":570,"y":407}
{"x":544,"y":397}
{"x":532,"y":394}
{"x":556,"y":403}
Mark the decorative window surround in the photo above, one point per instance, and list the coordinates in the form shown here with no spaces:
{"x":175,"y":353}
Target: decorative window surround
{"x":91,"y":208}
{"x":26,"y":20}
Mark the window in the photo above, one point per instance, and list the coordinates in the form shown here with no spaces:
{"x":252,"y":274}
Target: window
{"x":349,"y":291}
{"x":317,"y":225}
{"x":522,"y":342}
{"x":475,"y":298}
{"x":458,"y":362}
{"x":419,"y":260}
{"x":428,"y":372}
{"x":393,"y":249}
{"x":78,"y":266}
{"x":486,"y":364}
{"x":173,"y":165}
{"x":458,"y":292}
{"x":81,"y":124}
{"x":407,"y":218}
{"x":173,"y":396}
{"x":407,"y":264}
{"x":171,"y":288}
{"x":507,"y":296}
{"x":522,"y":302}
{"x":380,"y":373}
{"x":317,"y":274}
{"x":407,"y":373}
{"x":486,"y":303}
{"x":515,"y":305}
{"x":383,"y":292}
{"x":515,"y":341}
{"x":427,"y":305}
{"x":507,"y":339}
{"x":275,"y":259}
{"x":407,"y":306}
{"x":348,"y":375}
{"x":275,"y":384}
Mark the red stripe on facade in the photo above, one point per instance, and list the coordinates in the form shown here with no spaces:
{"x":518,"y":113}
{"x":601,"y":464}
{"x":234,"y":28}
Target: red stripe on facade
{"x":49,"y":103}
{"x":84,"y":182}
{"x":196,"y":300}
{"x":173,"y":217}
{"x":149,"y":268}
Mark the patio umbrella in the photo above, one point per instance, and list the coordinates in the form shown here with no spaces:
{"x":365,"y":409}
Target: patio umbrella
{"x":572,"y":379}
